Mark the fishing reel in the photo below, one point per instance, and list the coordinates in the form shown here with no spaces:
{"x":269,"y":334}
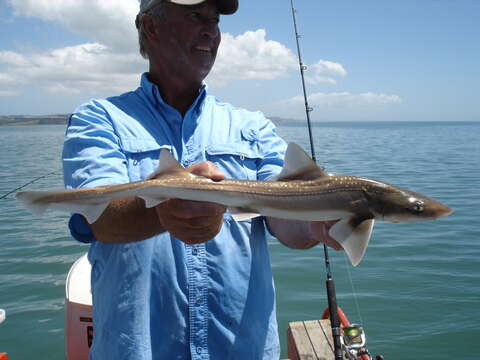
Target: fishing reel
{"x":353,"y":336}
{"x":353,"y":341}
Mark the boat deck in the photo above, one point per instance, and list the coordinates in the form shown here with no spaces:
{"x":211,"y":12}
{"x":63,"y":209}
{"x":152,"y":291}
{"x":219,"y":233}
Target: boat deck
{"x":310,"y":340}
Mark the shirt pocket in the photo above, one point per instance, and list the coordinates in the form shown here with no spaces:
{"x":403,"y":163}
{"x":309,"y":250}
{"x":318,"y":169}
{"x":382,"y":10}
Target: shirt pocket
{"x":239,"y":159}
{"x":142,"y":157}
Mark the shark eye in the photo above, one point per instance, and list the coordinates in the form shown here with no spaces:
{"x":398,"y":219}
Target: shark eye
{"x":418,"y":206}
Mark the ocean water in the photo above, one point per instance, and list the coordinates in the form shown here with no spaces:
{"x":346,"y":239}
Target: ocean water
{"x":417,"y":291}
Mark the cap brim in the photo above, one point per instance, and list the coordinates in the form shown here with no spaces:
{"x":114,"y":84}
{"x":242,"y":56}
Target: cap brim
{"x":225,"y":7}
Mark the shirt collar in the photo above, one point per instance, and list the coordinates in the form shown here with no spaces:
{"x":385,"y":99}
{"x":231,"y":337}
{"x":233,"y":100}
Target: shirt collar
{"x":153,"y":93}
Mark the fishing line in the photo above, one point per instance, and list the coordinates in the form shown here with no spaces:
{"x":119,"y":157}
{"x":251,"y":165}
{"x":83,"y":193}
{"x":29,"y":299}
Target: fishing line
{"x":355,"y":298}
{"x":28,"y":183}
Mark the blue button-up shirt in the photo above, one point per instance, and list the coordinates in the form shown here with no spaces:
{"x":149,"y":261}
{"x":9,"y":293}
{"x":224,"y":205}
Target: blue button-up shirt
{"x":160,"y":298}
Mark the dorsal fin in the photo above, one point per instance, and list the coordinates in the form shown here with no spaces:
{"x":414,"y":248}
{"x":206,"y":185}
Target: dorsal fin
{"x":167,"y":165}
{"x":299,"y":166}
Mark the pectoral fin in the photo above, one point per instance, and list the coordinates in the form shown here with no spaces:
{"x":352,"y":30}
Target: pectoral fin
{"x":91,"y":212}
{"x":151,"y":201}
{"x":353,"y":234}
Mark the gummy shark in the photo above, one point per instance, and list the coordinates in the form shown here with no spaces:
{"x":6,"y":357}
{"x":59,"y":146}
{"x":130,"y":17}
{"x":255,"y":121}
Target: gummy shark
{"x":302,"y":191}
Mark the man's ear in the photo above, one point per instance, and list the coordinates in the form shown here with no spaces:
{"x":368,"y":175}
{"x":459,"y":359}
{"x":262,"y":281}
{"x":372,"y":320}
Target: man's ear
{"x":148,"y":23}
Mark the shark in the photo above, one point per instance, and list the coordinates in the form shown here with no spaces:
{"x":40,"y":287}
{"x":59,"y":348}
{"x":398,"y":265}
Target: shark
{"x":301,"y":191}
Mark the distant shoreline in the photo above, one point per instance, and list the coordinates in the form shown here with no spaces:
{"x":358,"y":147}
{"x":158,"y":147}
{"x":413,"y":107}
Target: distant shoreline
{"x":25,"y":120}
{"x":61,"y":119}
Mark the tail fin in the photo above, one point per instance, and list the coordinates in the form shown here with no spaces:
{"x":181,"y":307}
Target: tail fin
{"x":29,"y":200}
{"x":33,"y":201}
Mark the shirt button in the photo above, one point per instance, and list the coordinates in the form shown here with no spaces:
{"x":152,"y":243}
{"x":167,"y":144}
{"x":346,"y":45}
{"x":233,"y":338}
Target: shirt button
{"x":194,"y":251}
{"x":199,"y":350}
{"x":198,"y":300}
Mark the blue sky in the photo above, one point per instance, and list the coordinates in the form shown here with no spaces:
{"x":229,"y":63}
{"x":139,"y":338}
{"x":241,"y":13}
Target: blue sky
{"x":367,"y":60}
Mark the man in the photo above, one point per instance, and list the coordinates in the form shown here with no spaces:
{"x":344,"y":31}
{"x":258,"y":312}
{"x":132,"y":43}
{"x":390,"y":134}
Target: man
{"x":181,"y":280}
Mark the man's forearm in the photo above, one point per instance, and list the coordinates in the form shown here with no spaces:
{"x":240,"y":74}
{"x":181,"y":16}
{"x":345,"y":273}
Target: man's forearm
{"x":126,"y":220}
{"x":193,"y":222}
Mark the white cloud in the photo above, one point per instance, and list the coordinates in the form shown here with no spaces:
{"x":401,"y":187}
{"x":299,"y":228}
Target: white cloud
{"x":108,"y":64}
{"x":6,"y":79}
{"x":346,"y":99}
{"x":251,"y":56}
{"x":333,"y":104}
{"x":87,"y":67}
{"x":109,"y":22}
{"x":12,"y":58}
{"x":324,"y":71}
{"x":5,"y":93}
{"x":6,"y":83}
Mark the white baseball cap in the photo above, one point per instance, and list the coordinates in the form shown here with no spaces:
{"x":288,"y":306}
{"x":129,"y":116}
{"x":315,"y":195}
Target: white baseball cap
{"x":225,"y":7}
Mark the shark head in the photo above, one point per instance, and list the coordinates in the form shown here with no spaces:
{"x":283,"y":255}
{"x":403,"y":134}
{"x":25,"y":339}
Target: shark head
{"x":399,"y":205}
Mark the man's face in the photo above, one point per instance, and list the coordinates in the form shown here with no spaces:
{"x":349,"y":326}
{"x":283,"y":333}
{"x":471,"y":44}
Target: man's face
{"x":188,"y":39}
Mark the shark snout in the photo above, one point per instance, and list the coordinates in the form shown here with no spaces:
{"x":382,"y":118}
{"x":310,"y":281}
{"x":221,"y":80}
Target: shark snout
{"x":443,"y":210}
{"x":434,"y":210}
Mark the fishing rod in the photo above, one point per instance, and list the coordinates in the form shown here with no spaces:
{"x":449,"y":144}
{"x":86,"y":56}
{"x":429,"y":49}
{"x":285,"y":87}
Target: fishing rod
{"x":352,"y":339}
{"x":28,"y":183}
{"x":331,"y":295}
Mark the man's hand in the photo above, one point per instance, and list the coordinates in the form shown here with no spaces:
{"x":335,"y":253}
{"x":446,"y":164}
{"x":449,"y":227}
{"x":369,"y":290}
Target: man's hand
{"x":193,"y":222}
{"x":320,"y":231}
{"x":303,"y":234}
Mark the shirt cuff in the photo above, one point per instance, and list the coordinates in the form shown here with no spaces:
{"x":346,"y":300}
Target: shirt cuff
{"x":267,"y":226}
{"x":80,"y":229}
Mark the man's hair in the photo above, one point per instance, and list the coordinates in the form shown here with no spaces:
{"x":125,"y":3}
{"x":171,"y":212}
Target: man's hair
{"x":157,"y":11}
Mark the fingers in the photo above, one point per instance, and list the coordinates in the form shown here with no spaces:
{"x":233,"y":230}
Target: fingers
{"x":321,"y":229}
{"x":186,"y":209}
{"x":207,"y":169}
{"x":192,"y":222}
{"x":332,"y":243}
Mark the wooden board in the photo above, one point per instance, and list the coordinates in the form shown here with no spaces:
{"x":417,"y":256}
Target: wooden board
{"x":310,"y":340}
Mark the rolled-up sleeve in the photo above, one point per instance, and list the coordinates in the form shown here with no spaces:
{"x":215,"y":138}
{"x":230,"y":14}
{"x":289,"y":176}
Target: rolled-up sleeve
{"x":91,"y":157}
{"x":272,"y":148}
